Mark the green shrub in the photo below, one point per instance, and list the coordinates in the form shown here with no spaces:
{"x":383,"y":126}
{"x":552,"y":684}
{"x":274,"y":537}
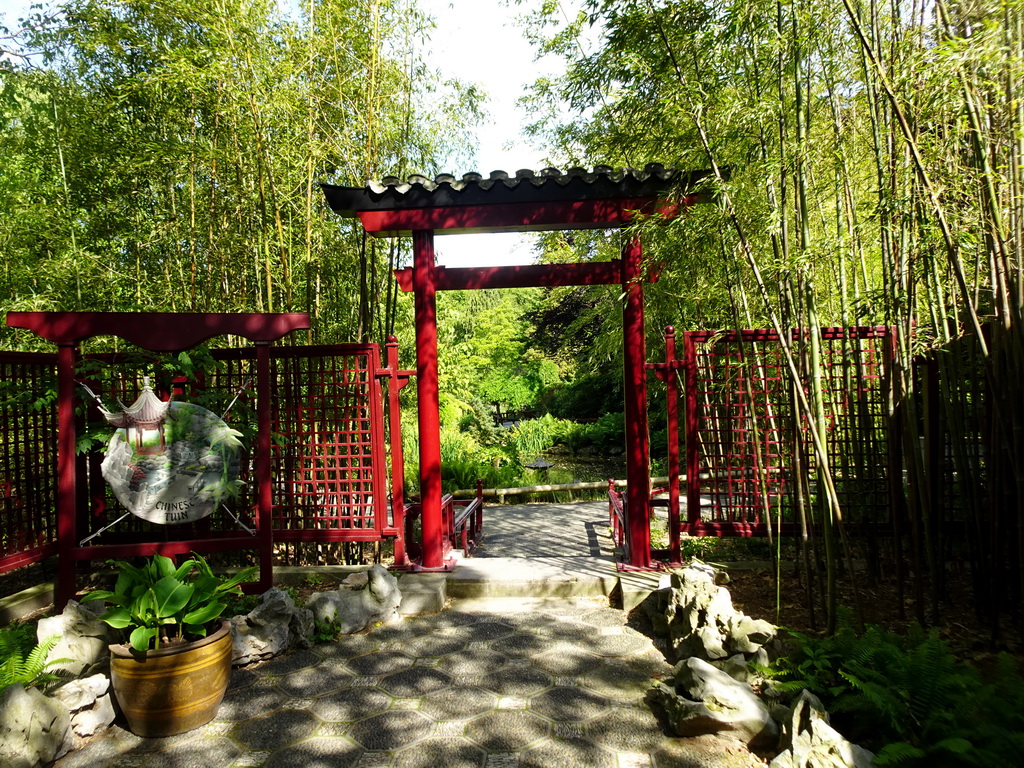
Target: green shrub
{"x":532,"y":437}
{"x":909,"y":699}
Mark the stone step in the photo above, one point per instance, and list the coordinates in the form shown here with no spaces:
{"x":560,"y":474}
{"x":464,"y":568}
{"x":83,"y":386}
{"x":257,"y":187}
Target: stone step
{"x":532,"y":577}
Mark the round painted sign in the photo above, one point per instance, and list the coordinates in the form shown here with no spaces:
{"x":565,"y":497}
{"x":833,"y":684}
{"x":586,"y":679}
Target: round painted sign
{"x":179,"y":471}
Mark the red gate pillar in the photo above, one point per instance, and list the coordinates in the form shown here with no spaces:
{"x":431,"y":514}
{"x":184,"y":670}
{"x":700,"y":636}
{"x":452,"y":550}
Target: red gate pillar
{"x":634,"y":353}
{"x":425,"y":284}
{"x":67,"y":489}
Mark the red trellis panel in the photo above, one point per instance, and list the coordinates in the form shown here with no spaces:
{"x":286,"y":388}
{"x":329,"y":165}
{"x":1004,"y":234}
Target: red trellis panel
{"x":28,"y":456}
{"x":740,"y":440}
{"x":329,"y":461}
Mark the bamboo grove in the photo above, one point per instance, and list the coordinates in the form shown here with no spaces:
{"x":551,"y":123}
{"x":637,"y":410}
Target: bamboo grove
{"x":165,"y":155}
{"x":868,"y":160}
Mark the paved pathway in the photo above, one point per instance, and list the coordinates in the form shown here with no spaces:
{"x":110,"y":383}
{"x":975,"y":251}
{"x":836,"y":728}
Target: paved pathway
{"x":556,"y":685}
{"x":579,"y":529}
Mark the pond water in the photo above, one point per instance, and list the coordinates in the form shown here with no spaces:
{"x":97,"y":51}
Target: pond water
{"x":586,"y":468}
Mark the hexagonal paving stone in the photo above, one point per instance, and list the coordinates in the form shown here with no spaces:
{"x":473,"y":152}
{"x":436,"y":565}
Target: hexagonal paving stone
{"x":627,"y":729}
{"x":316,"y":681}
{"x":567,"y":752}
{"x":391,"y":730}
{"x":507,"y":730}
{"x":275,"y":729}
{"x":719,"y":751}
{"x":318,"y":752}
{"x":250,"y":702}
{"x":437,"y":645}
{"x":567,"y":661}
{"x":570,"y":632}
{"x":450,"y":753}
{"x":604,"y":617}
{"x":401,"y":632}
{"x":619,"y":645}
{"x":242,"y":678}
{"x":568,"y":704}
{"x":620,"y":681}
{"x":417,"y":681}
{"x":350,"y":704}
{"x":472,"y":661}
{"x":456,"y":619}
{"x":516,"y":681}
{"x":176,"y":752}
{"x":347,"y":646}
{"x":486,"y":630}
{"x":289,"y":662}
{"x":522,"y":645}
{"x":458,"y":703}
{"x":379,"y":663}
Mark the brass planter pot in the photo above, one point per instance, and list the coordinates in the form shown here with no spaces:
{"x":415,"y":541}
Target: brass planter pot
{"x":172,"y":690}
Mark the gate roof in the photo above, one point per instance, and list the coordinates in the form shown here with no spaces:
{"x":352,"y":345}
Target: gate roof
{"x":526,"y":202}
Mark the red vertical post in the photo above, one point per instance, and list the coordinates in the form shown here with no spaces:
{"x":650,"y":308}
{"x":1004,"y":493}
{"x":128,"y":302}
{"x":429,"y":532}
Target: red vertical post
{"x":264,"y":493}
{"x":429,"y":419}
{"x":479,"y":527}
{"x":692,"y":423}
{"x":672,"y":408}
{"x":395,"y":384}
{"x":634,"y":353}
{"x":67,"y":515}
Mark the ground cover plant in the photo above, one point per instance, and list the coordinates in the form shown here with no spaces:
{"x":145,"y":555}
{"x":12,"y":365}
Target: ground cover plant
{"x":23,"y":661}
{"x":907,"y":697}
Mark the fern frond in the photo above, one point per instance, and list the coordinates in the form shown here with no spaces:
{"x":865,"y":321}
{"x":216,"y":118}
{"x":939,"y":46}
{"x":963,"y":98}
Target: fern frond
{"x":898,"y":753}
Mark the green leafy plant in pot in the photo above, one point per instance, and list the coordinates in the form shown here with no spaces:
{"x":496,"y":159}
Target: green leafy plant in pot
{"x":171,"y":674}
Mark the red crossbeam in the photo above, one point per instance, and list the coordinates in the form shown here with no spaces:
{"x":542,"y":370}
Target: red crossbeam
{"x":525,"y":276}
{"x":158,"y":331}
{"x":517,"y":217}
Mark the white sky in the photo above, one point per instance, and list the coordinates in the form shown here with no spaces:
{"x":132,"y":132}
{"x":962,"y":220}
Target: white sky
{"x":478,"y":41}
{"x":475,"y":41}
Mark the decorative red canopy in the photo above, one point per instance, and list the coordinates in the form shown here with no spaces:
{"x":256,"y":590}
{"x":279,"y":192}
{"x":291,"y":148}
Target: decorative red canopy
{"x":525,"y":202}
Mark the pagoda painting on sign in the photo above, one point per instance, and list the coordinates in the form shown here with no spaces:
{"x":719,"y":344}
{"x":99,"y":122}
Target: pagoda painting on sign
{"x":170,"y":462}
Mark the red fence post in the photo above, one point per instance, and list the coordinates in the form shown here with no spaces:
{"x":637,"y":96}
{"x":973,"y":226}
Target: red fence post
{"x":67,"y":476}
{"x":479,"y":527}
{"x":428,"y":406}
{"x":264,"y":495}
{"x":396,"y":381}
{"x":672,"y":407}
{"x":693,"y":517}
{"x":634,"y":354}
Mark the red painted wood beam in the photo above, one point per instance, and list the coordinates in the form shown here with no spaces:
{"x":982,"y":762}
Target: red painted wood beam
{"x":518,"y":217}
{"x":638,"y":452}
{"x":428,"y":408}
{"x":526,"y":276}
{"x":158,"y":331}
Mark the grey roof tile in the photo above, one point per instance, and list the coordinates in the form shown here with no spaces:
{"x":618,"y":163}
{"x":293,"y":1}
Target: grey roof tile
{"x":547,"y":185}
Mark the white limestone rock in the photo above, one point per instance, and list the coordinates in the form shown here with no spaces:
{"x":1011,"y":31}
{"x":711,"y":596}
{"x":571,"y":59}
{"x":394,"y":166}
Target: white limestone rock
{"x":809,"y":741}
{"x":34,"y":729}
{"x":355,"y":609}
{"x":83,"y":638}
{"x":270,"y":629}
{"x":705,"y":700}
{"x":96,"y":718}
{"x":82,"y":693}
